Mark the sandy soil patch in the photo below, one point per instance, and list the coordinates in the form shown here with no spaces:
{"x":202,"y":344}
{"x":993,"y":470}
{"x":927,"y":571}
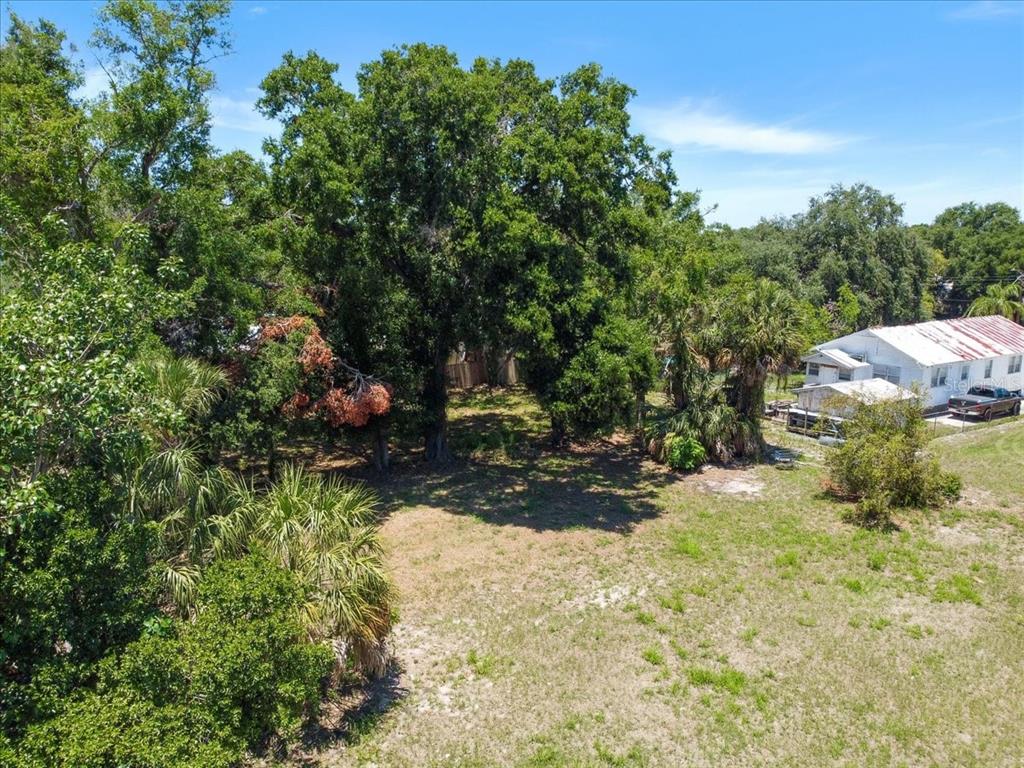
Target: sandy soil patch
{"x":956,"y":536}
{"x":733,"y":482}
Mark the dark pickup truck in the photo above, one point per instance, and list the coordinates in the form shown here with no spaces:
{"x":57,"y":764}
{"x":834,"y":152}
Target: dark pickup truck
{"x":985,"y":402}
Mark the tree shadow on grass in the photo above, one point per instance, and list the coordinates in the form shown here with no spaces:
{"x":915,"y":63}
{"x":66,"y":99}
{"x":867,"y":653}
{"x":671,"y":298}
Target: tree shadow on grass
{"x":351,"y":716}
{"x":602,"y":485}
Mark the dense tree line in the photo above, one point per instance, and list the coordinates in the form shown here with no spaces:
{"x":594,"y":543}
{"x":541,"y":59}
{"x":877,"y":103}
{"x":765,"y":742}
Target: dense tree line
{"x":851,"y":255}
{"x":167,"y":308}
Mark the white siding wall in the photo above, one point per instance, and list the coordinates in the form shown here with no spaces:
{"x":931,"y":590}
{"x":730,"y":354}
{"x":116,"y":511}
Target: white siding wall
{"x":940,"y":395}
{"x":1001,"y":375}
{"x":912,"y":376}
{"x":917,"y":377}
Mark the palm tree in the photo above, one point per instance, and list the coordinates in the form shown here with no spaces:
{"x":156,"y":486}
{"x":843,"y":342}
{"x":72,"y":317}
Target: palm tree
{"x":704,"y":416}
{"x":170,"y":485}
{"x":185,"y":500}
{"x":1002,"y":300}
{"x":762,"y":329}
{"x":324,"y":531}
{"x":188,"y":386}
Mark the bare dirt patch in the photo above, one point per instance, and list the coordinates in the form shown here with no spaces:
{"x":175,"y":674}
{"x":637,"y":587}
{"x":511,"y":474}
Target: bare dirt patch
{"x":956,"y":536}
{"x":958,"y":619}
{"x":732,"y":482}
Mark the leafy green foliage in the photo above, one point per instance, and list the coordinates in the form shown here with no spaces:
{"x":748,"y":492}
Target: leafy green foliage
{"x":201,"y":692}
{"x":683,"y":452}
{"x":324,"y":532}
{"x":849,"y":253}
{"x":982,"y":245}
{"x":42,"y":140}
{"x":601,"y":383}
{"x":251,"y":418}
{"x":497,"y":210}
{"x":160,"y":611}
{"x":69,"y":334}
{"x":761,"y":330}
{"x":854,"y":236}
{"x":882,"y":464}
{"x":1002,"y":300}
{"x":74,"y":418}
{"x":155,"y":119}
{"x":218,"y":229}
{"x":74,"y":587}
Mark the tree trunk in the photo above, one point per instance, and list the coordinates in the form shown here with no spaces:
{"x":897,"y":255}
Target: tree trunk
{"x":435,"y":398}
{"x":678,"y":393}
{"x":745,"y":393}
{"x":492,"y":367}
{"x":381,"y":453}
{"x":559,"y":433}
{"x":680,"y":374}
{"x":272,"y":459}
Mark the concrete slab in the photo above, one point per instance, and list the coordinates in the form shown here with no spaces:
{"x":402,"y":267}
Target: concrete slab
{"x":958,"y":422}
{"x":949,"y":420}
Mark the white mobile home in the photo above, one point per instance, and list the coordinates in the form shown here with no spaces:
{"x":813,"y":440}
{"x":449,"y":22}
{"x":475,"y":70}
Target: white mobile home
{"x":937,"y":359}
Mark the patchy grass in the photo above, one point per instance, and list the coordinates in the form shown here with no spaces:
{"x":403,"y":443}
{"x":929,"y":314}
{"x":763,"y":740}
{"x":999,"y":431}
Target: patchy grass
{"x":991,"y":462}
{"x":731,"y":680}
{"x":958,"y":588}
{"x":673,"y":602}
{"x":653,"y":656}
{"x":483,"y":665}
{"x":684,"y":544}
{"x":587,"y":608}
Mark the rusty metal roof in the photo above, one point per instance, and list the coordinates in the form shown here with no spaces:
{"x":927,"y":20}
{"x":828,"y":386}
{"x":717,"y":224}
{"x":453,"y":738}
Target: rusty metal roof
{"x":939,"y":342}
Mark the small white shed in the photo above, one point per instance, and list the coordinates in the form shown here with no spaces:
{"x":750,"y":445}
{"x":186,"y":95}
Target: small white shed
{"x":836,"y":398}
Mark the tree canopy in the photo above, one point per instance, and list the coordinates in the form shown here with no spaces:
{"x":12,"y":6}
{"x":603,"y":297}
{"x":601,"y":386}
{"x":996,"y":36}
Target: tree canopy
{"x":176,"y":322}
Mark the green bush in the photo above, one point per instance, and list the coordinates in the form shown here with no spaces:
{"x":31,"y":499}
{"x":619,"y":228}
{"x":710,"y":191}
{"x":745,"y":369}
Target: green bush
{"x":74,"y":587}
{"x":883,"y":463}
{"x":683,"y":452}
{"x":75,"y":578}
{"x":944,"y":485}
{"x":198,"y":693}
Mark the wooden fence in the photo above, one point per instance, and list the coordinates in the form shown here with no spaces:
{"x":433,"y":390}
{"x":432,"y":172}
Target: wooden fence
{"x":471,"y":369}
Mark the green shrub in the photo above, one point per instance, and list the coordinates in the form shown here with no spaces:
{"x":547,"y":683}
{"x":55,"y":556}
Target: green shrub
{"x":683,"y":452}
{"x":883,"y":463}
{"x":74,"y":569}
{"x":199,"y":693}
{"x":872,"y":512}
{"x":944,"y":485}
{"x":324,"y":531}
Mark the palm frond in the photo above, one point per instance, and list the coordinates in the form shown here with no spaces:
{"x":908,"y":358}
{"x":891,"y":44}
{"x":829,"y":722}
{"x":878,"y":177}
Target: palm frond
{"x":191,"y":386}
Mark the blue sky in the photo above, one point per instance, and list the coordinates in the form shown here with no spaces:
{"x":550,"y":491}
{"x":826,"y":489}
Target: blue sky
{"x":762,"y":104}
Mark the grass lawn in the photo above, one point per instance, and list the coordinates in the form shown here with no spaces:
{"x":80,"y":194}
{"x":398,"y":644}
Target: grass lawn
{"x":591,"y":609}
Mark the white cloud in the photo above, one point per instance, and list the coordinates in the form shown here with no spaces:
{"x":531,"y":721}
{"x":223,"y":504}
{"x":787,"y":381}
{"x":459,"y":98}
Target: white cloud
{"x":688,"y":124}
{"x":987,"y":9}
{"x":742,"y":206}
{"x":258,"y":10}
{"x":95,"y":82}
{"x":239,"y":115}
